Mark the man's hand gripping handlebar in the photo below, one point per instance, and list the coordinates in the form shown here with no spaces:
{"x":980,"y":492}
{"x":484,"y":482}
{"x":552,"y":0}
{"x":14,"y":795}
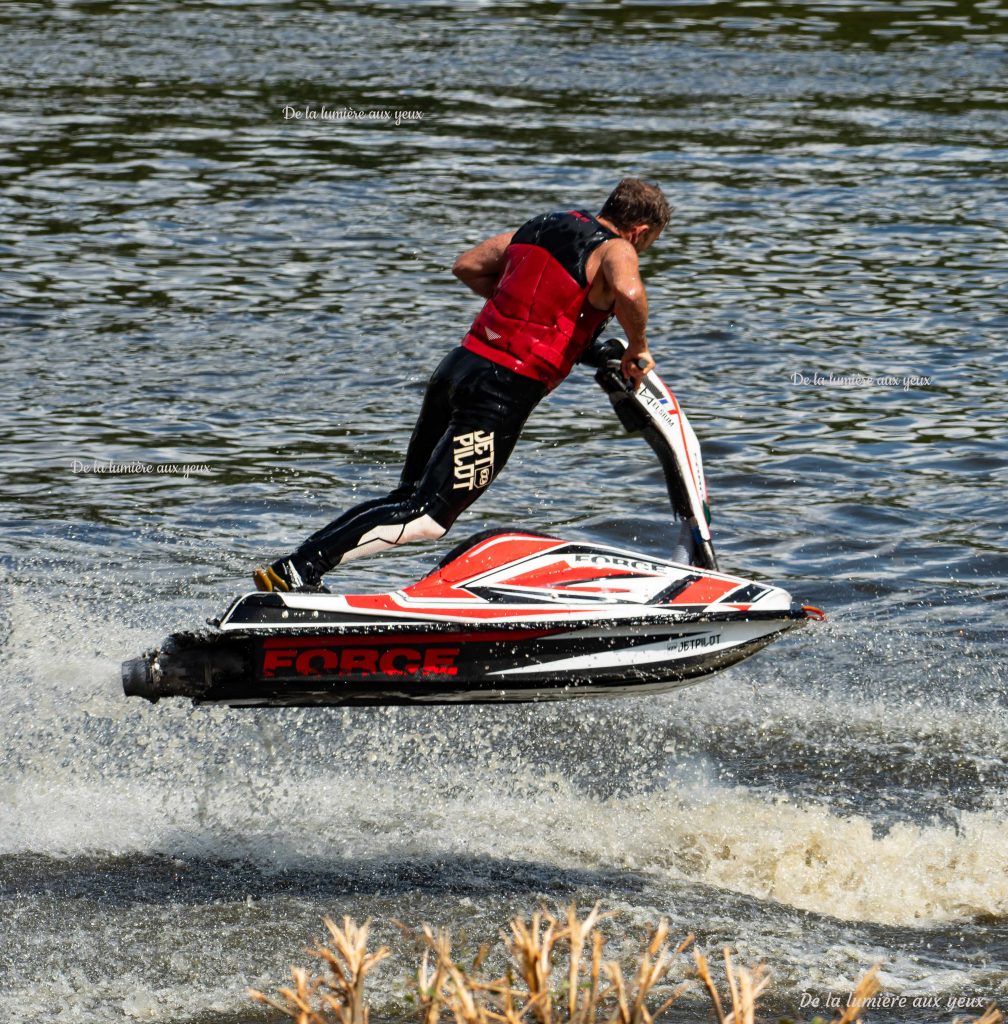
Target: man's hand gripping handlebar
{"x":635,"y":364}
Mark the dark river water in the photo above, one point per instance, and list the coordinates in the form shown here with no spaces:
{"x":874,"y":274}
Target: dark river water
{"x":249,"y":304}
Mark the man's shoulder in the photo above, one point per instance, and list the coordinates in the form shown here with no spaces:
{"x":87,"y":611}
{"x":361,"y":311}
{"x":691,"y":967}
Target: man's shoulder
{"x":617,"y":259}
{"x":617,"y":248}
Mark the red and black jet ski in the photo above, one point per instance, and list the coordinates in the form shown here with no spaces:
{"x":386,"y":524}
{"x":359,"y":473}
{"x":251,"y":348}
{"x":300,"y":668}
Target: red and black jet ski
{"x":506,"y":616}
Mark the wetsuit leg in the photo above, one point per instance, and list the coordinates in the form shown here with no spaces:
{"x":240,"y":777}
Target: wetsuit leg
{"x":435,"y":415}
{"x":471,"y":419}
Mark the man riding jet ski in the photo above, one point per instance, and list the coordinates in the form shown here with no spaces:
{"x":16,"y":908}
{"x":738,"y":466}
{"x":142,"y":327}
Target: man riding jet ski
{"x":511,"y":615}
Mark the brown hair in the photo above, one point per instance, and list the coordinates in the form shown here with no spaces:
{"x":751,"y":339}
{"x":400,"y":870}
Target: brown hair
{"x":634,"y":202}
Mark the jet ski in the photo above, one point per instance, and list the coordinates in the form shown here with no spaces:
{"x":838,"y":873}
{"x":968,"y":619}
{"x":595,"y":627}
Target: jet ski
{"x":506,"y":616}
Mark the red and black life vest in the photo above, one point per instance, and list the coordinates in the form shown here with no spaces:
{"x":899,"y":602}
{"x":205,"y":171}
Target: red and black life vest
{"x":539,"y":320}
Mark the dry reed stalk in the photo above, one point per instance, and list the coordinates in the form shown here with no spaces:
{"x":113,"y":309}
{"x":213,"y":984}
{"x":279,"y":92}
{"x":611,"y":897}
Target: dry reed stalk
{"x":744,"y":987}
{"x":655,"y":963}
{"x":430,"y":984}
{"x":342,"y":992}
{"x":703,"y":972}
{"x":298,"y":1004}
{"x":590,"y":1007}
{"x":531,"y":948}
{"x":577,"y":932}
{"x":629,"y":1001}
{"x":992,"y":1015}
{"x":868,"y":986}
{"x":450,"y":987}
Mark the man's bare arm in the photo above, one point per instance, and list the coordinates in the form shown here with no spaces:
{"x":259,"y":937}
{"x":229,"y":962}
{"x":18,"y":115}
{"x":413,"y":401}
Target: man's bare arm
{"x":619,"y":264}
{"x":480,"y":267}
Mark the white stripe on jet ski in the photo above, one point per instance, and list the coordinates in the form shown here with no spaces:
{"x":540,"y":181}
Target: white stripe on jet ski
{"x":730,"y":635}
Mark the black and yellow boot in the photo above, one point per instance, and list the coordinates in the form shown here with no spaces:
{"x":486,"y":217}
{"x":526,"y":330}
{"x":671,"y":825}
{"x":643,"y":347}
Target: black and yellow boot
{"x":282,"y":575}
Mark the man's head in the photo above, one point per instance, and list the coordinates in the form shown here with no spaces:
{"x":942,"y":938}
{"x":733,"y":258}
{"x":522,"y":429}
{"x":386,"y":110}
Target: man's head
{"x":639,"y":211}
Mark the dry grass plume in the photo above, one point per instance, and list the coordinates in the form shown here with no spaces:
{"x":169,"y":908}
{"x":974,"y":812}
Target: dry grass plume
{"x":556,"y":973}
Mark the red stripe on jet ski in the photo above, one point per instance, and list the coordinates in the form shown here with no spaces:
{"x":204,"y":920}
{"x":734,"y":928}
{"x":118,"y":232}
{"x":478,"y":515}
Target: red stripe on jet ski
{"x":493,"y":554}
{"x":563,"y":573}
{"x":436,"y":586}
{"x":704,"y":591}
{"x":689,"y":462}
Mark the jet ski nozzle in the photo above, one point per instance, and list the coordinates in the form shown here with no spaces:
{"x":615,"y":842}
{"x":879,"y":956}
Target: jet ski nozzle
{"x":138,"y":679}
{"x":187,"y":665}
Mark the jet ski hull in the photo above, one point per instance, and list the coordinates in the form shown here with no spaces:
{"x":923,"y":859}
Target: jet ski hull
{"x":507,"y":617}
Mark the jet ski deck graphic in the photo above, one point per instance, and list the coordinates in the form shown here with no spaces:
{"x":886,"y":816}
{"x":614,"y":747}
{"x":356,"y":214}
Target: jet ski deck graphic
{"x":506,"y":616}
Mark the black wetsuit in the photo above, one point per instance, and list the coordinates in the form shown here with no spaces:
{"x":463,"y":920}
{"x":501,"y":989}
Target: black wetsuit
{"x":472,"y":415}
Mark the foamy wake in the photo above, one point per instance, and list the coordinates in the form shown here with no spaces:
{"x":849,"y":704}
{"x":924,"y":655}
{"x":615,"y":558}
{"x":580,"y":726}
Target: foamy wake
{"x":809,"y":858}
{"x":802,"y":856}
